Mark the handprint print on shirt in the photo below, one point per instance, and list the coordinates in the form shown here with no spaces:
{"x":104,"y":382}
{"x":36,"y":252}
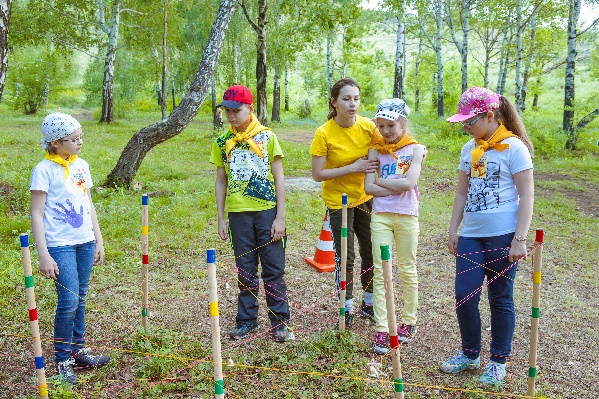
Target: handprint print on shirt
{"x":70,"y":216}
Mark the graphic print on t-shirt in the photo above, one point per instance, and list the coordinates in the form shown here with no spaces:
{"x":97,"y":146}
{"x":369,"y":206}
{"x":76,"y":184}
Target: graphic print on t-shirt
{"x":249,"y":171}
{"x":483,"y":186}
{"x":400,"y":167}
{"x":68,"y":214}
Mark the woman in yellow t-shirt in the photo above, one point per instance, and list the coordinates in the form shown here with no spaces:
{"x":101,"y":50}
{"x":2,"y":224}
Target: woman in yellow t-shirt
{"x":339,"y":160}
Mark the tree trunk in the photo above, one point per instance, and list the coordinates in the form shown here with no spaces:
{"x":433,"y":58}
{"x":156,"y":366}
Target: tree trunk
{"x":5,"y":8}
{"x":398,"y":84}
{"x":527,"y":65}
{"x":587,"y":119}
{"x":464,"y":52}
{"x":164,"y":82}
{"x":286,"y":91}
{"x":217,"y":112}
{"x":329,"y":66}
{"x":276,"y":97}
{"x":518,"y":93}
{"x":504,"y":57}
{"x":416,"y":73}
{"x":173,"y":92}
{"x":147,"y":138}
{"x":440,"y":107}
{"x":569,"y":92}
{"x":108,"y":82}
{"x":261,"y":72}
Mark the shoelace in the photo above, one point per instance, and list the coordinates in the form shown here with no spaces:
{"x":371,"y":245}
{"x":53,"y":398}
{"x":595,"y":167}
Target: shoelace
{"x":381,"y":338}
{"x":67,"y":371}
{"x":494,"y":370}
{"x":457,"y":359}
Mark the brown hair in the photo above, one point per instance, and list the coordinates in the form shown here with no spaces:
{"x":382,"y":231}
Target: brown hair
{"x":50,"y":149}
{"x":340,"y":84}
{"x":509,"y":117}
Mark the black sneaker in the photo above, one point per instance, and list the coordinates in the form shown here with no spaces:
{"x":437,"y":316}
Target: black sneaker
{"x":349,"y":320}
{"x":84,"y":358}
{"x":366,"y":310}
{"x":65,"y":370}
{"x":282,"y":334}
{"x":243,"y":328}
{"x":405,"y":333}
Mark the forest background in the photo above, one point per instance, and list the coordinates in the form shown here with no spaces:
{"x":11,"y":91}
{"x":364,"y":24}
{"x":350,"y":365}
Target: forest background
{"x":119,"y":68}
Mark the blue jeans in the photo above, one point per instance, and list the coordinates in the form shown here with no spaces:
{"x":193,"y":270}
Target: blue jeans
{"x":479,"y":257}
{"x":75,"y":266}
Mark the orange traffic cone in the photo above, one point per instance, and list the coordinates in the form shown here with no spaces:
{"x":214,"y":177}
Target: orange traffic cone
{"x":324,"y":257}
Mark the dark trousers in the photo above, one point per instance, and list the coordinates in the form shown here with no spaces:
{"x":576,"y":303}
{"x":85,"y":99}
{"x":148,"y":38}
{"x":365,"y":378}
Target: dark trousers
{"x":250,"y":233}
{"x":479,"y":258}
{"x":358,"y":224}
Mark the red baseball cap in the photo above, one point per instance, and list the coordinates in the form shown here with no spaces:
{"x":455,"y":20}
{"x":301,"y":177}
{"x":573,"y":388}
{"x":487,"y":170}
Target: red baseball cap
{"x":235,"y":96}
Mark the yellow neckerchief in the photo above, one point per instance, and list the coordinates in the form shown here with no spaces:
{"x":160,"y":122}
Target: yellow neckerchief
{"x":253,"y":129}
{"x":494,"y":142}
{"x":61,"y":161}
{"x":379,"y":143}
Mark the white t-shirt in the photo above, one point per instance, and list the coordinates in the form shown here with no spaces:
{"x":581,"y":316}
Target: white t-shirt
{"x":492,"y":201}
{"x":67,"y":215}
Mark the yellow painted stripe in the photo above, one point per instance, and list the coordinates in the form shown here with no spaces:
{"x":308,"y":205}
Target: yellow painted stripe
{"x":536,"y":277}
{"x":213,"y":309}
{"x":144,"y":230}
{"x":43,"y":389}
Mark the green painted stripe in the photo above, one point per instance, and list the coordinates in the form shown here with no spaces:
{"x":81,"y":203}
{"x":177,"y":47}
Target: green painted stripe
{"x":219,"y":387}
{"x":342,"y":311}
{"x":344,"y":232}
{"x":29,"y":282}
{"x":398,"y":384}
{"x":536,"y":313}
{"x":532,"y":372}
{"x":144,"y":312}
{"x":385,"y":253}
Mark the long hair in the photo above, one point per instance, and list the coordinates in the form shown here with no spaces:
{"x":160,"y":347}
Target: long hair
{"x":340,"y":84}
{"x":508,"y":115}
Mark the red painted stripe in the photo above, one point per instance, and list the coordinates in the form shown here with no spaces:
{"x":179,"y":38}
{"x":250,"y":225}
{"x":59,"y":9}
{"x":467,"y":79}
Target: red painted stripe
{"x":393,"y":341}
{"x":144,"y":259}
{"x":33,"y":314}
{"x":343,"y":285}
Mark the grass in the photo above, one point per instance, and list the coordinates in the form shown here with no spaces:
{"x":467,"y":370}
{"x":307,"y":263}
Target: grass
{"x":173,"y":359}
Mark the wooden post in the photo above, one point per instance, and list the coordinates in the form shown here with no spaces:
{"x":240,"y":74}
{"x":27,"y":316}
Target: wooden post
{"x":392,"y":322}
{"x":536,"y":312}
{"x":42,"y":386}
{"x":217,"y":360}
{"x":144,"y":261}
{"x":343,"y":272}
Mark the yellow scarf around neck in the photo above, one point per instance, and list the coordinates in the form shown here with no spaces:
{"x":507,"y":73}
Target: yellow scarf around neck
{"x":379,"y":143}
{"x":62,"y":162}
{"x":494,"y":142}
{"x":253,"y":129}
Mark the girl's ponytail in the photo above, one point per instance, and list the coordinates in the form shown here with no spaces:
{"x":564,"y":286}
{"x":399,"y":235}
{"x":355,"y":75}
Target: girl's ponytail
{"x":508,"y":115}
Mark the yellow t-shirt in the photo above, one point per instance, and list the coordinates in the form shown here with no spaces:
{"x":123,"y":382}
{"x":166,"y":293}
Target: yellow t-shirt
{"x":342,"y":146}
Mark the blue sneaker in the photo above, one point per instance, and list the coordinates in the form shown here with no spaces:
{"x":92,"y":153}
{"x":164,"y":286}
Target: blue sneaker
{"x":242,"y":329}
{"x":459,"y":362}
{"x":493,"y":375}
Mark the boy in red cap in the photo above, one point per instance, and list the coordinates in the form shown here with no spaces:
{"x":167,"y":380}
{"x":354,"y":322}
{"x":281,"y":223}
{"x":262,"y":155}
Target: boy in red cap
{"x":250,"y":181}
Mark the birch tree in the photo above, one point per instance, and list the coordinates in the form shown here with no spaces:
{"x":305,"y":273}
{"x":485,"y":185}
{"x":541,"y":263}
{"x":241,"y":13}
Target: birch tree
{"x":434,"y":8}
{"x":5,"y":7}
{"x":112,"y":32}
{"x":569,"y":89}
{"x":464,"y":10}
{"x":147,"y":138}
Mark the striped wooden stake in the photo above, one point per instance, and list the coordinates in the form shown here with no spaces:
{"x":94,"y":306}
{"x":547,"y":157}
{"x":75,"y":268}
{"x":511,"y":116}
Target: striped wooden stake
{"x":144,"y":261}
{"x":536,"y":312}
{"x":342,"y":278}
{"x":393,"y":339}
{"x":219,"y":383}
{"x":42,"y":386}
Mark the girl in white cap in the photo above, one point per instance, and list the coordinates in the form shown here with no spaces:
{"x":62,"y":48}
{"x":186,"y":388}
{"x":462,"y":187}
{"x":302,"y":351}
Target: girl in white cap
{"x":67,"y":237}
{"x":493,"y":203}
{"x":395,"y":214}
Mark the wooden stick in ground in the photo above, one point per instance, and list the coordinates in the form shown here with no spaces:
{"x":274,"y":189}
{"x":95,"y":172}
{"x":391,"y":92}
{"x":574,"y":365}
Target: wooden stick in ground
{"x":392,"y":322}
{"x":536,"y":312}
{"x":217,"y":360}
{"x":342,"y":279}
{"x":144,"y":261}
{"x":42,"y":386}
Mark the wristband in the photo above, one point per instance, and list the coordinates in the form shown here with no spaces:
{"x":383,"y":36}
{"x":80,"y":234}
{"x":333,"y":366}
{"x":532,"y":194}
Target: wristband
{"x":520,"y":238}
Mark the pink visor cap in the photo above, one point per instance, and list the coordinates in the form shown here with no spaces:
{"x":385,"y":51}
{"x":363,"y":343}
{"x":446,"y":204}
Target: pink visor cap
{"x":474,"y":101}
